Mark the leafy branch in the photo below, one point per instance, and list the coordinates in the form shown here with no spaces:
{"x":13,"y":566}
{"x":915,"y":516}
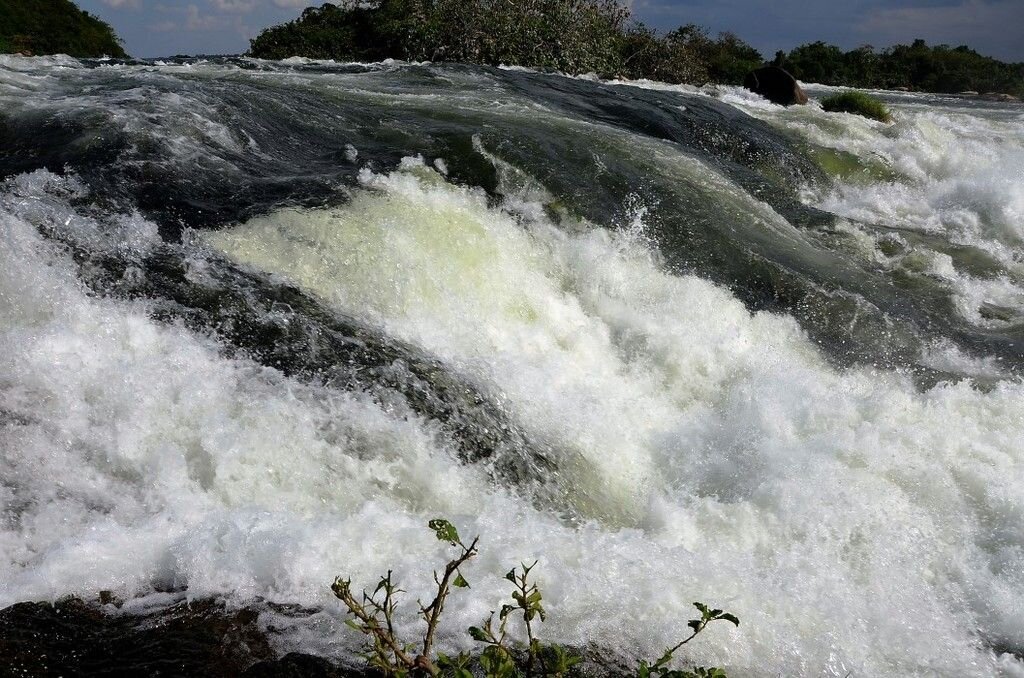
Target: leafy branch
{"x":373,"y":615}
{"x":660,"y":667}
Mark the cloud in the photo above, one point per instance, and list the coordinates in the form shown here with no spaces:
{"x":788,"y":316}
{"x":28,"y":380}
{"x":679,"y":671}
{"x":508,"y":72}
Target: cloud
{"x":234,"y":5}
{"x":292,"y":4}
{"x":196,"y":21}
{"x":118,"y":4}
{"x":163,"y":27}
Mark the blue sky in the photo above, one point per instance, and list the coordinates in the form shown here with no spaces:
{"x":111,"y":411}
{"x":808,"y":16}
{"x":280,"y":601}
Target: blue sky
{"x":995,"y":27}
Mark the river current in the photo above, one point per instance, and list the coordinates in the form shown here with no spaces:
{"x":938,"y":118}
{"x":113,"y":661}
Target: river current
{"x":260,"y":321}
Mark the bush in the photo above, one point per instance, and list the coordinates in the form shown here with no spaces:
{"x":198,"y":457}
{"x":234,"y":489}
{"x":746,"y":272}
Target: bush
{"x":572,"y":36}
{"x":373,"y":615}
{"x":54,"y":27}
{"x":918,"y":66}
{"x":858,"y":103}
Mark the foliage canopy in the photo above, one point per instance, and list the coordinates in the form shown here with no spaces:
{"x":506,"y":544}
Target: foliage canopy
{"x":54,"y":27}
{"x":917,"y":66}
{"x":598,"y":36}
{"x":572,"y":36}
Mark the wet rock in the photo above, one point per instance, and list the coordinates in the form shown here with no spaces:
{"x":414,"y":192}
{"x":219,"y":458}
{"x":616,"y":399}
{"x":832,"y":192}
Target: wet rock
{"x":73,"y":637}
{"x":298,"y":665}
{"x":776,"y":85}
{"x":76,"y":638}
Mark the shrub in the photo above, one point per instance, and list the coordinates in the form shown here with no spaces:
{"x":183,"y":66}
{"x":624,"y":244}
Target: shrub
{"x":918,"y":66}
{"x":373,"y":615}
{"x":572,"y":36}
{"x":858,"y":103}
{"x":54,"y":26}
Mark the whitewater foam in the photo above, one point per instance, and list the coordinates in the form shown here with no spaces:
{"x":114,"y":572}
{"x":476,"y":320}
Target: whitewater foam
{"x":722,"y":437}
{"x":853,"y":522}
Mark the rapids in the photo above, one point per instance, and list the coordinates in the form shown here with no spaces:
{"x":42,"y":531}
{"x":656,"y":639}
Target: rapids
{"x":260,"y":321}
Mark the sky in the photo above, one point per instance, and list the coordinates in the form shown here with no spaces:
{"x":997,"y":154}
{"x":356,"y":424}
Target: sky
{"x":153,"y":28}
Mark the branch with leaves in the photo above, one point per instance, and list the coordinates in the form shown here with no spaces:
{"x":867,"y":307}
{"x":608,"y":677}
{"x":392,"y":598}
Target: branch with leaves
{"x":373,"y":615}
{"x":660,"y":668}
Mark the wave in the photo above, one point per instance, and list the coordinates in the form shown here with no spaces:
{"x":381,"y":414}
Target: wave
{"x":253,"y":343}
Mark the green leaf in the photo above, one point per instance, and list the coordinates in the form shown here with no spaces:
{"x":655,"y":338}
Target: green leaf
{"x":478,"y":634}
{"x":511,"y":575}
{"x":730,"y":617}
{"x":505,"y":610}
{"x":352,"y":623}
{"x":444,"y":530}
{"x":696,"y":625}
{"x":460,"y":581}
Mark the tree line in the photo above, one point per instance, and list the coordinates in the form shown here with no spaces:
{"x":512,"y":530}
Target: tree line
{"x":917,"y":66}
{"x":54,"y":27}
{"x":599,"y":36}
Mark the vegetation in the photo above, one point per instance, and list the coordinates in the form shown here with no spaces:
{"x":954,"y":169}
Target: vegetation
{"x":373,"y":615}
{"x":598,"y":36}
{"x":857,"y":102}
{"x":54,"y":27}
{"x":917,"y":66}
{"x":572,"y":36}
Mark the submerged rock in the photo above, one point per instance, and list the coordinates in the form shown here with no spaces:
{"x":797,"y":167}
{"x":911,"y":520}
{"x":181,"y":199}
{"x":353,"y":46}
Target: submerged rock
{"x":776,"y":85}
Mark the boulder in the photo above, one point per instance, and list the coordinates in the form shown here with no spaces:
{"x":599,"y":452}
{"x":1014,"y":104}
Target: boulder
{"x":776,"y":85}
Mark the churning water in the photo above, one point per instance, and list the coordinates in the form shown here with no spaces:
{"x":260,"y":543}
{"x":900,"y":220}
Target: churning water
{"x":261,"y":321}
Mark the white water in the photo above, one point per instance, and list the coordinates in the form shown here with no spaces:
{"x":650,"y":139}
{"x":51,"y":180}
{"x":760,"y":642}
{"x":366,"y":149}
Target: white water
{"x":853,"y":523}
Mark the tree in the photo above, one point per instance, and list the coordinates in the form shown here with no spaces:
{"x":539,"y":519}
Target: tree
{"x":55,"y":27}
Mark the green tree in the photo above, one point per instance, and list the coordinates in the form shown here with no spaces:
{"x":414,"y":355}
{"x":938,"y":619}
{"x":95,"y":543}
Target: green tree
{"x":55,"y":27}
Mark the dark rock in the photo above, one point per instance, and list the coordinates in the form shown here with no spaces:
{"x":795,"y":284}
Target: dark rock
{"x":298,"y":665}
{"x":76,"y":638}
{"x":776,"y":85}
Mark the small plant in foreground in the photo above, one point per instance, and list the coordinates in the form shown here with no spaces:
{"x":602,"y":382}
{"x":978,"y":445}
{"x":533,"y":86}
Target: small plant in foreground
{"x":373,"y":616}
{"x":858,"y":103}
{"x":660,"y":668}
{"x":497,"y":659}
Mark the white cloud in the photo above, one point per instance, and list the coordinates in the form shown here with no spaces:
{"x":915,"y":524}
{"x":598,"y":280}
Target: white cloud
{"x":233,"y":5}
{"x":196,"y":21}
{"x":117,"y":4}
{"x":163,"y":27}
{"x":293,"y":3}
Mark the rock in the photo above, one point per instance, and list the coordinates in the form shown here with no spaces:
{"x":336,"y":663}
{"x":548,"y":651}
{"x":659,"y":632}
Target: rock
{"x":969,"y":93}
{"x":776,"y":85}
{"x":901,"y":89}
{"x":73,"y":637}
{"x":298,"y":665}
